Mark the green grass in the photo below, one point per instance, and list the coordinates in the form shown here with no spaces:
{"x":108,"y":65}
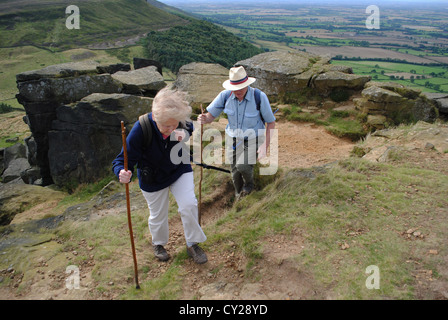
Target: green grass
{"x":343,"y":124}
{"x":20,"y":59}
{"x":434,"y":75}
{"x":100,"y":21}
{"x":355,"y":196}
{"x":353,"y":202}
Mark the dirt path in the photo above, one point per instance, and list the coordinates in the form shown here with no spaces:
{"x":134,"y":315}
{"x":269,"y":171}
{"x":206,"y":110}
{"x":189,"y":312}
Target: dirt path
{"x":303,"y":145}
{"x":299,"y":145}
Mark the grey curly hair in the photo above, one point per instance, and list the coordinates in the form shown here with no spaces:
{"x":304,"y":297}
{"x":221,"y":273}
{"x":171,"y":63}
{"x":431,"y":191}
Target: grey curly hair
{"x":171,"y":104}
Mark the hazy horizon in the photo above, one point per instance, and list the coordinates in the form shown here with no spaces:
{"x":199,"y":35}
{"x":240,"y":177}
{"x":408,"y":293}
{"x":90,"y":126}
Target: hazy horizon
{"x":312,"y":1}
{"x":336,"y":2}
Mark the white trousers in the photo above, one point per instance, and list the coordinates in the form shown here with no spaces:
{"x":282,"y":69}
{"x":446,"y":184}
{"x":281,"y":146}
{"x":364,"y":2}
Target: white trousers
{"x":158,"y":204}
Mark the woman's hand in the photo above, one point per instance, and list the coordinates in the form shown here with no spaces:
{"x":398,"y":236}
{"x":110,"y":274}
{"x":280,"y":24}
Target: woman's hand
{"x":125,"y":176}
{"x":180,"y":134}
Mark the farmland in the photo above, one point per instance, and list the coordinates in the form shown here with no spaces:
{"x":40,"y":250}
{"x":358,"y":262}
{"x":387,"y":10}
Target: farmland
{"x":410,"y":44}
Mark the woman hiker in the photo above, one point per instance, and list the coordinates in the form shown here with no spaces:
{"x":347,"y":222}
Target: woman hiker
{"x":158,"y":175}
{"x":247,"y":111}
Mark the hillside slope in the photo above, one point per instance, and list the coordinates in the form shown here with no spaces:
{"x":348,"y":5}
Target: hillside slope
{"x":43,"y":23}
{"x":309,"y":234}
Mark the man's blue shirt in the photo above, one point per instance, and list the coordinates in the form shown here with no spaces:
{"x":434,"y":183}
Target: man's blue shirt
{"x":243,"y":116}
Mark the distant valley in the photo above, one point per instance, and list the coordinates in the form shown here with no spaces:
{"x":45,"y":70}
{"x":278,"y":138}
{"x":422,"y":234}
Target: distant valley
{"x":409,"y":35}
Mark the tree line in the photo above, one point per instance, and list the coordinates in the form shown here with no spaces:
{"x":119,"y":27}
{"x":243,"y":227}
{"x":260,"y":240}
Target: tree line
{"x":199,"y":41}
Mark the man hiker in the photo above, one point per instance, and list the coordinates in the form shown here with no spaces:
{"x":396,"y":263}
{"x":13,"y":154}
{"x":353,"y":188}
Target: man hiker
{"x":158,"y":174}
{"x":247,"y":111}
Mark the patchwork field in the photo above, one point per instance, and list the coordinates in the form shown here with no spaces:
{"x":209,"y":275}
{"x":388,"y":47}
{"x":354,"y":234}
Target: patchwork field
{"x":409,"y":33}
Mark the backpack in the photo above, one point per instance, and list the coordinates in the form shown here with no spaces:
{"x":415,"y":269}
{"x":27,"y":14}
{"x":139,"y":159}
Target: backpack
{"x":147,"y":129}
{"x":257,"y":100}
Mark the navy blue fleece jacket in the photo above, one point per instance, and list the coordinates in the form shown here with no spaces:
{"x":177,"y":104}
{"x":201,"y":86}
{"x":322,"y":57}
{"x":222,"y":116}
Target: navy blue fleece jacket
{"x":155,"y":156}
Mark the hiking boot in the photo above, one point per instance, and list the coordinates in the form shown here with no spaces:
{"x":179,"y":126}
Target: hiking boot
{"x":245,"y":192}
{"x":160,"y":253}
{"x":197,"y":254}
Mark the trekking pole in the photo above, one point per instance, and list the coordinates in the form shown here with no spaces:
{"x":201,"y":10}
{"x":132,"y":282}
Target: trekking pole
{"x":200,"y":180}
{"x":128,"y":203}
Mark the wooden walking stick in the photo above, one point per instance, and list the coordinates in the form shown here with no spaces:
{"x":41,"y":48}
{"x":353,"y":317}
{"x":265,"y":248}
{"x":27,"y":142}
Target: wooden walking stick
{"x":128,"y":203}
{"x":200,"y":180}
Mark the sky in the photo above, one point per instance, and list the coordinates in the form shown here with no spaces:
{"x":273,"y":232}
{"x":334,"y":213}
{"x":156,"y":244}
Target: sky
{"x":368,"y":2}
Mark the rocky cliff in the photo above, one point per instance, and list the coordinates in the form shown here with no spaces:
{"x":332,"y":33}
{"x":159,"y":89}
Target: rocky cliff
{"x":74,"y":112}
{"x":285,"y":76}
{"x":281,"y":75}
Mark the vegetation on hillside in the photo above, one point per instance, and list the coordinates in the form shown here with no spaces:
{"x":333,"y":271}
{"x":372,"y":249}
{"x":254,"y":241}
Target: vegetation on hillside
{"x":199,"y":41}
{"x":414,"y":36}
{"x":337,"y":219}
{"x":100,"y":21}
{"x":330,"y":222}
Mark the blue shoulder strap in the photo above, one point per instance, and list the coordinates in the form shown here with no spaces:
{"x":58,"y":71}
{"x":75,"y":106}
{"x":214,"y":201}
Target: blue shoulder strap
{"x":257,"y":100}
{"x":147,"y":129}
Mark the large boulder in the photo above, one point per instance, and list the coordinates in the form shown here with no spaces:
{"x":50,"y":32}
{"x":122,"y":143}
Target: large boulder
{"x":63,"y":70}
{"x":392,"y":103}
{"x":86,"y":136}
{"x":276,"y":71}
{"x":279,"y":73}
{"x":47,"y":92}
{"x":145,"y":81}
{"x":67,"y":90}
{"x":143,"y":63}
{"x":202,"y":81}
{"x":441,"y":100}
{"x":15,"y":169}
{"x":15,"y":162}
{"x":327,"y":82}
{"x":13,"y":152}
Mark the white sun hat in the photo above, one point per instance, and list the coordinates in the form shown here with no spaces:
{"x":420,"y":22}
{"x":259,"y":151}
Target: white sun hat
{"x":238,"y":79}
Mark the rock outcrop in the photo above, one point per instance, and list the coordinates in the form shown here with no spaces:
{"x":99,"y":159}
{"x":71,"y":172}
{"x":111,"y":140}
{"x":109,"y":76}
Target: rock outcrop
{"x":278,"y":74}
{"x":281,"y":73}
{"x":441,"y":100}
{"x":144,"y":81}
{"x":92,"y":126}
{"x":379,"y":145}
{"x":74,"y":112}
{"x":15,"y":162}
{"x":74,"y":109}
{"x":202,"y":81}
{"x":392,"y":103}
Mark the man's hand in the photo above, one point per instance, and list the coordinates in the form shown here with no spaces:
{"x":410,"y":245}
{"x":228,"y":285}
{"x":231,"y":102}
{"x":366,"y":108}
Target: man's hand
{"x":125,"y":176}
{"x":205,"y":118}
{"x":262,"y":151}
